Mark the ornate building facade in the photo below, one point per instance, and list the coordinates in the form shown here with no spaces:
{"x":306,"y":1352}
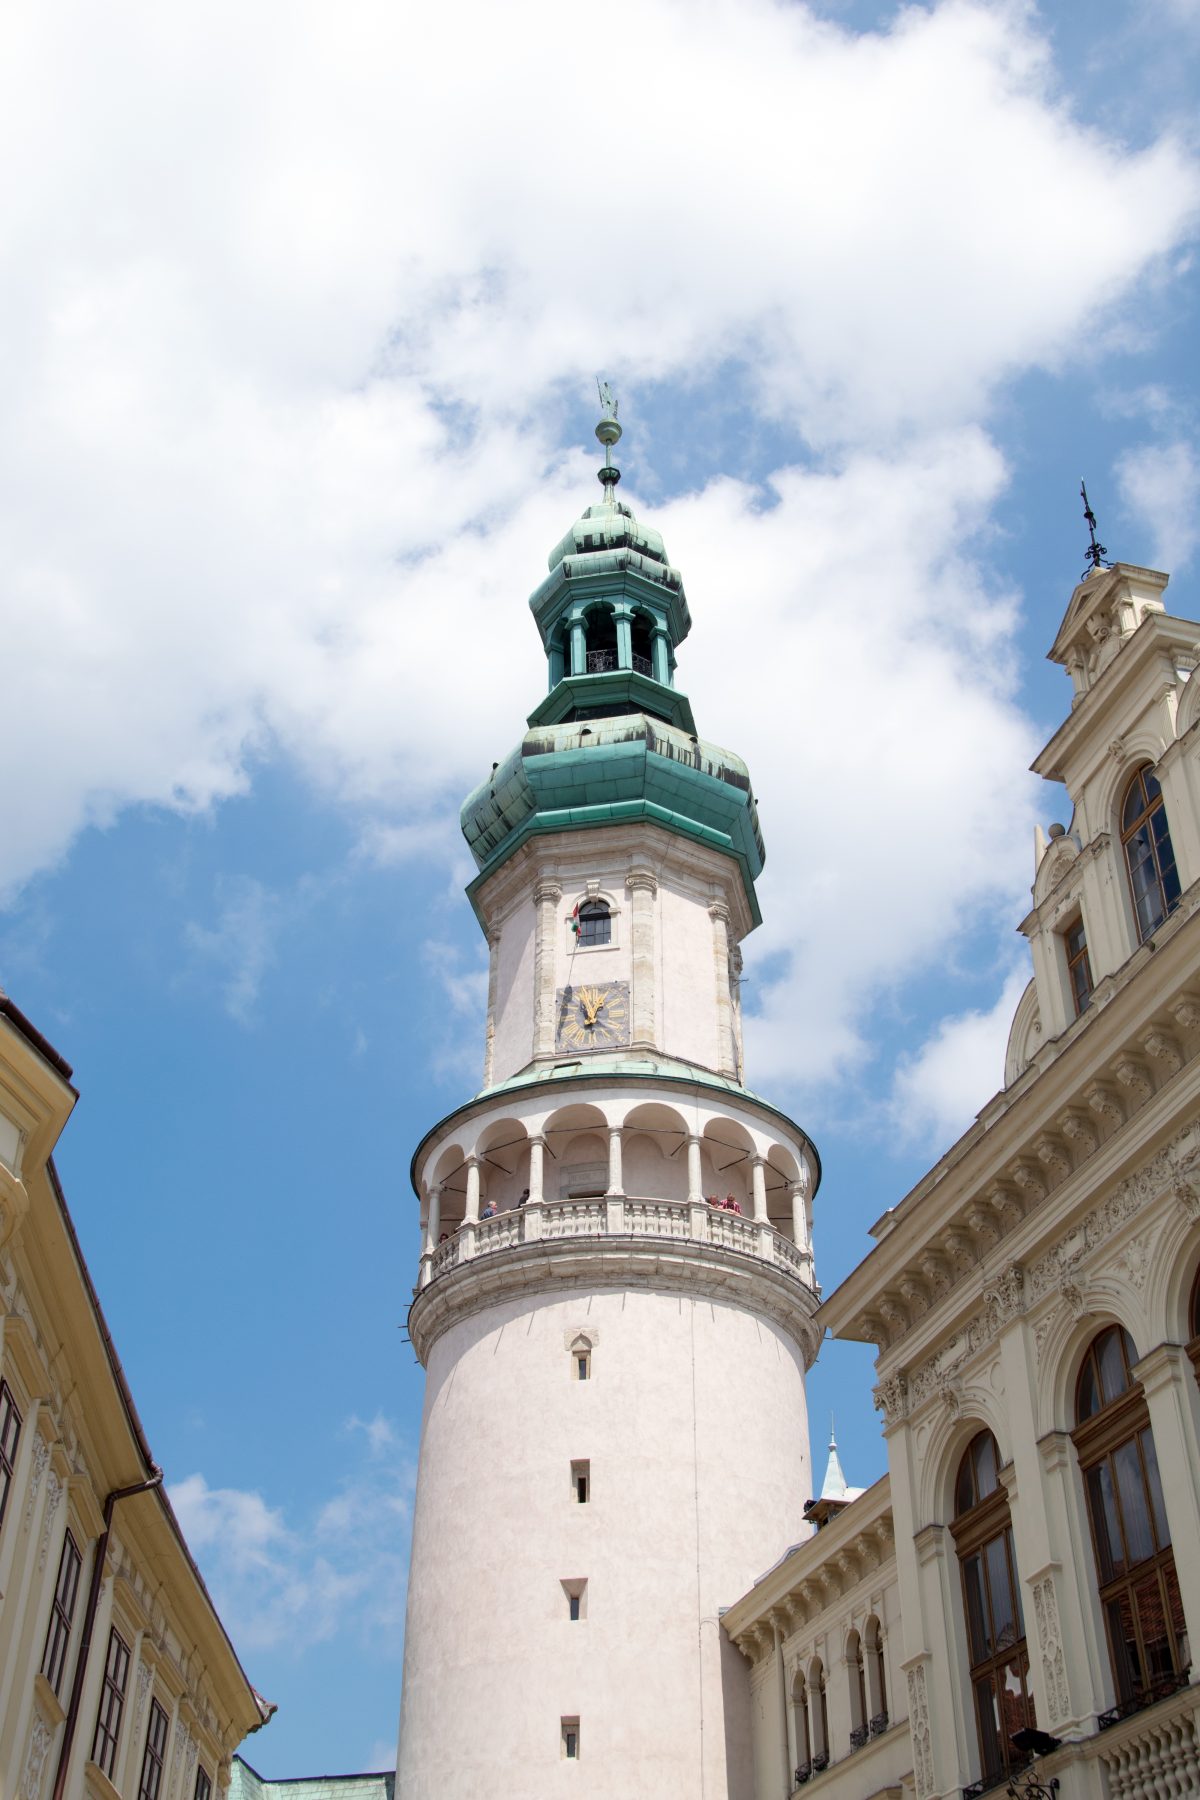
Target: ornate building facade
{"x":116,"y":1675}
{"x":1026,"y":1570}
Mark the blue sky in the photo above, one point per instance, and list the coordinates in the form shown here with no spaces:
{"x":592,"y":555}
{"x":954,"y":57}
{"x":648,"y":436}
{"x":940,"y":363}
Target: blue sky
{"x":299,"y":323}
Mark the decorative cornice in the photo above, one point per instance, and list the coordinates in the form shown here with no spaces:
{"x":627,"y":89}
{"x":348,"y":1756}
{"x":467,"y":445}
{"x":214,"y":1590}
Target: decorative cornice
{"x":664,"y":1265}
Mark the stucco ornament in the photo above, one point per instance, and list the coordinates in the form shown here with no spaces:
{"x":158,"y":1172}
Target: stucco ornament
{"x":40,"y":1739}
{"x":41,"y":1456}
{"x":143,"y":1688}
{"x":54,"y":1493}
{"x":918,"y":1725}
{"x":1054,"y":1673}
{"x":891,"y":1399}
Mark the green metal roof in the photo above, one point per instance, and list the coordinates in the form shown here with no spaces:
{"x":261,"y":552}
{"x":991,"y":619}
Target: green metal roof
{"x":583,"y":773}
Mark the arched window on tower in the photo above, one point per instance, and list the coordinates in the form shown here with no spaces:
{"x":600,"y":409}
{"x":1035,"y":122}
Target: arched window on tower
{"x":641,"y":636}
{"x":876,"y":1680}
{"x":982,"y":1532}
{"x":856,"y":1670}
{"x":601,"y":627}
{"x":594,"y":921}
{"x":1149,"y":856}
{"x":800,"y":1728}
{"x":1135,"y":1565}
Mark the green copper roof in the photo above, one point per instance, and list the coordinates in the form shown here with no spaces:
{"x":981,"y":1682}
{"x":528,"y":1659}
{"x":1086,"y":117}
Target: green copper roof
{"x":579,"y":774}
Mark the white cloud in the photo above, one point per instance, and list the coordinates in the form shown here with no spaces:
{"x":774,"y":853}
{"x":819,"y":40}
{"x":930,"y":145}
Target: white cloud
{"x":1160,"y":484}
{"x":338,"y":1570}
{"x":937,"y":1092}
{"x":287,"y":367}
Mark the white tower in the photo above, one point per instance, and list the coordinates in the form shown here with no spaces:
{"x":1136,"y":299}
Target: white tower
{"x":616,"y":1296}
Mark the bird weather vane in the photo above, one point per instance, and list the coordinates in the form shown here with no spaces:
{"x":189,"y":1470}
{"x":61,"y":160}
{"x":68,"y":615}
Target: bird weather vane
{"x":608,"y":431}
{"x":1096,"y":553}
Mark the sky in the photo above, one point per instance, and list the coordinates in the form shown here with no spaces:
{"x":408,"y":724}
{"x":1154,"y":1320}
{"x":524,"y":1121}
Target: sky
{"x":300,"y":312}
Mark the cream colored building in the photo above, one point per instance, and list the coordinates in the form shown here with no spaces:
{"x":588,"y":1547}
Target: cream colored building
{"x":116,"y":1676}
{"x":1030,"y":1560}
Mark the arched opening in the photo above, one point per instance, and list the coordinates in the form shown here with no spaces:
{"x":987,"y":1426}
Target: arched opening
{"x":1131,"y":1542}
{"x":727,"y":1152}
{"x":982,"y":1530}
{"x":1149,"y":855}
{"x":600,"y":631}
{"x":641,"y":638}
{"x":593,"y":924}
{"x":655,"y":1153}
{"x":1193,"y":1348}
{"x":818,"y":1715}
{"x":800,"y":1740}
{"x":857,"y":1673}
{"x":876,"y":1680}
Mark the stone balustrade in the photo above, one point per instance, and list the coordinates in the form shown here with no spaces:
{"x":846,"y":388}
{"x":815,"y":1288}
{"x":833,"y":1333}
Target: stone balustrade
{"x":618,"y":1216}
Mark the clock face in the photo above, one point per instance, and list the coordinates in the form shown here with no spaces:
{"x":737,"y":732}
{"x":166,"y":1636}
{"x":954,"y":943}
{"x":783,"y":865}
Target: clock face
{"x":593,"y":1017}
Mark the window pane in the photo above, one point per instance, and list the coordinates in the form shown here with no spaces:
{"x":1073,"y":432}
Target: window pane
{"x":1162,"y":1530}
{"x":1111,"y":1354}
{"x":1089,"y":1397}
{"x":1135,"y":1509}
{"x":1156,"y":1634}
{"x":986,"y":1479}
{"x":1016,"y":1703}
{"x":1110,"y":1558}
{"x":1127,"y":1667}
{"x":1179,"y":1634}
{"x":1004,"y":1620}
{"x":987,"y":1713}
{"x":976,"y":1609}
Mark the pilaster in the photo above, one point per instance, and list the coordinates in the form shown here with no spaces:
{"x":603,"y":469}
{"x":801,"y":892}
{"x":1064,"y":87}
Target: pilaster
{"x":547,"y":897}
{"x":718,"y":912}
{"x":643,"y":888}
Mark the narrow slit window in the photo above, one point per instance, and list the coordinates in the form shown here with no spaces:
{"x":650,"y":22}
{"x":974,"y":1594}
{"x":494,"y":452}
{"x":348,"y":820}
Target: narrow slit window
{"x":581,"y":1482}
{"x":575,"y":1593}
{"x":570,"y":1740}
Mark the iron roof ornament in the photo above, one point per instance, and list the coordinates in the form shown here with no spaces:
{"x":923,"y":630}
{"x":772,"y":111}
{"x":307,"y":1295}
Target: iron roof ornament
{"x":608,"y":431}
{"x":1097,"y":555}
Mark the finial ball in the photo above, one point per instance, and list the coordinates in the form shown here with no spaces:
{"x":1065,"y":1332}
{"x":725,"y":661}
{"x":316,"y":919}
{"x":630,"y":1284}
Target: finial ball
{"x":608,"y":431}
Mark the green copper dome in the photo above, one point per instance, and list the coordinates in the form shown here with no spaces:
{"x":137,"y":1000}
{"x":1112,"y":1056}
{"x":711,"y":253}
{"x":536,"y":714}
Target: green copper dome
{"x":614,"y":739}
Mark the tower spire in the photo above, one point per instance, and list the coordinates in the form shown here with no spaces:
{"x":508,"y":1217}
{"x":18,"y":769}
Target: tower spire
{"x":608,"y":431}
{"x":834,"y":1485}
{"x":1096,"y":554}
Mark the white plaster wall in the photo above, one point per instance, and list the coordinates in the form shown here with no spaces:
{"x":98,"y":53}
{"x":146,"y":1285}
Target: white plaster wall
{"x":512,"y":1046}
{"x":685,"y":975}
{"x":688,"y":997}
{"x":695,"y":1426}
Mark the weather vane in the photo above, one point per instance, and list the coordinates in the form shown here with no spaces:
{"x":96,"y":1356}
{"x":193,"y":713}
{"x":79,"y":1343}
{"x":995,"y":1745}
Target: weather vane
{"x":1096,"y":553}
{"x":608,"y":431}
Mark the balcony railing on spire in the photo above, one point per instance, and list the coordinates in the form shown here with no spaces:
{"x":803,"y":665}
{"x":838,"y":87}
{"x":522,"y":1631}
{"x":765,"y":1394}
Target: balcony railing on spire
{"x":602,"y":662}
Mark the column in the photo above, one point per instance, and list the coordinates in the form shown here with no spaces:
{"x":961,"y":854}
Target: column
{"x":546,"y":897}
{"x":719,"y":914}
{"x":537,"y":1151}
{"x":643,"y":886}
{"x":758,"y":1187}
{"x":615,"y":1184}
{"x":433,"y":1227}
{"x":531,"y":1212}
{"x":624,"y":638}
{"x":1173,"y":1398}
{"x":781,"y":1680}
{"x":695,"y":1192}
{"x":578,"y":648}
{"x":660,"y":652}
{"x":472,"y":1212}
{"x":799,"y":1191}
{"x":489,"y":1042}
